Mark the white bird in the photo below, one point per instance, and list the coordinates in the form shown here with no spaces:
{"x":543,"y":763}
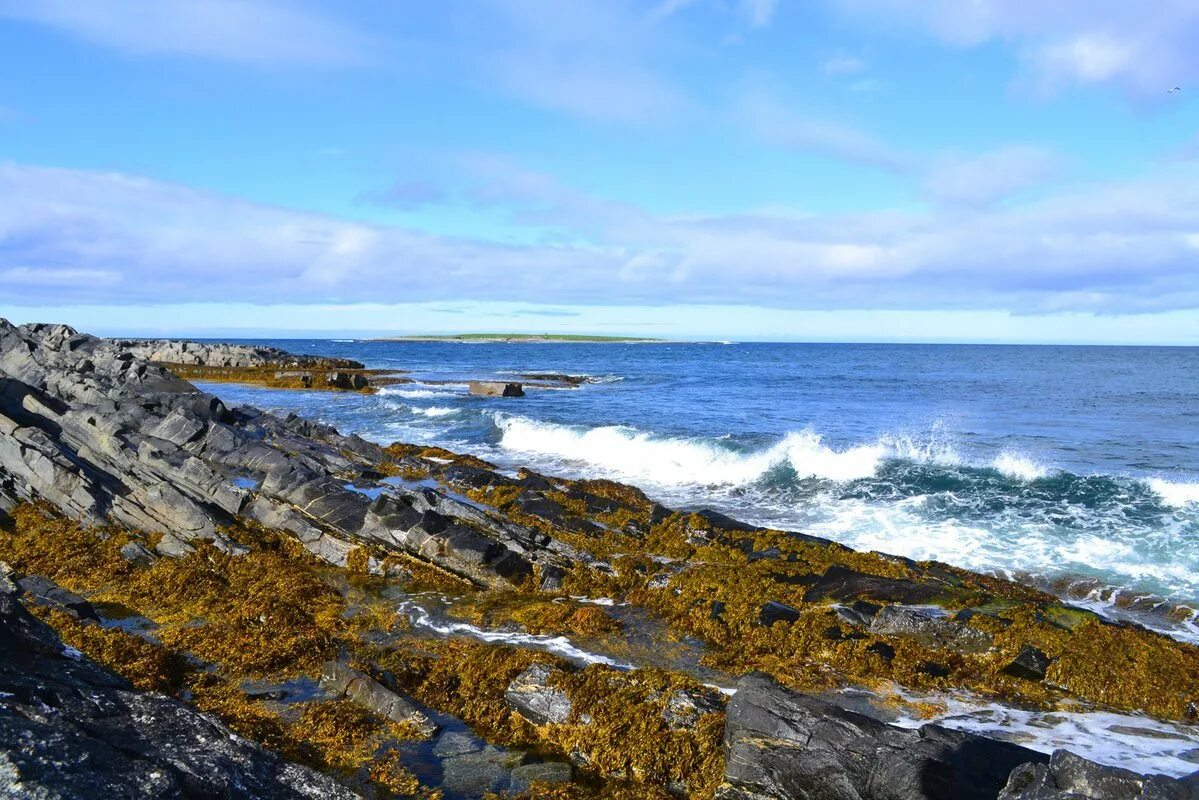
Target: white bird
{"x":1175,"y":89}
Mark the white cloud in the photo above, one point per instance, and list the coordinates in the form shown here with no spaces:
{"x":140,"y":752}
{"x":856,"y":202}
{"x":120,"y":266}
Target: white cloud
{"x":758,"y":13}
{"x":982,"y":179}
{"x":842,"y":64}
{"x":774,"y":121}
{"x":248,"y":31}
{"x":69,"y":236}
{"x":590,"y":59}
{"x":1144,"y":49}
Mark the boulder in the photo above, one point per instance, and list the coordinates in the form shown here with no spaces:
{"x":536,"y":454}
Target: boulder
{"x":1071,"y":777}
{"x":1030,"y":664}
{"x":773,"y":612}
{"x":496,"y":389}
{"x":531,"y":695}
{"x":783,"y":745}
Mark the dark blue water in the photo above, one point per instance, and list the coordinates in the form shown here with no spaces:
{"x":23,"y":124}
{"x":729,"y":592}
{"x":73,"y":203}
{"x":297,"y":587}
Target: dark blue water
{"x":1058,"y":464}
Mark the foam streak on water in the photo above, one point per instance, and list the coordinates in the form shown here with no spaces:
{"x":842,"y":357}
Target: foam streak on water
{"x":559,"y":645}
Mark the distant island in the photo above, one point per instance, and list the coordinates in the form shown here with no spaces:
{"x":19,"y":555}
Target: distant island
{"x":520,"y":338}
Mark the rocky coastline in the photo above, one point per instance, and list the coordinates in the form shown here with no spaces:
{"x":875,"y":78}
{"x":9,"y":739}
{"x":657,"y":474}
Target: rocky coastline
{"x":200,"y":601}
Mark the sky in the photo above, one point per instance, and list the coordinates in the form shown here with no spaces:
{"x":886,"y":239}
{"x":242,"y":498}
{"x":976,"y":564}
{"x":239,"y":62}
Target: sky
{"x":828,"y":170}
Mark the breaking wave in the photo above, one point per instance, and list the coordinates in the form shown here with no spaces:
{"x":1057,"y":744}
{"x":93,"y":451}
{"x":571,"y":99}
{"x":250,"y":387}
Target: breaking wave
{"x":636,"y":456}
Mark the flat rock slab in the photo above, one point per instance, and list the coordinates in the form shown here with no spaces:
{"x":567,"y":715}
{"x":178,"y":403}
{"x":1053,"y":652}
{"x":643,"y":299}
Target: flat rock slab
{"x":496,"y":389}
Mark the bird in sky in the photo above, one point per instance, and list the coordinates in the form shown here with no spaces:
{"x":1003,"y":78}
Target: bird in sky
{"x":1175,"y":89}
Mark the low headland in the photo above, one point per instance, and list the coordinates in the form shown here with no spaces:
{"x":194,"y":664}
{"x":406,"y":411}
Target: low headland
{"x":522,"y":338}
{"x":198,"y":600}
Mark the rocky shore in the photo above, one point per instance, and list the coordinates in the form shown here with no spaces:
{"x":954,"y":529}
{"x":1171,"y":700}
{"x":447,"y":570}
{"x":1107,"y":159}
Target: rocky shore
{"x":227,"y":581}
{"x":256,"y":364}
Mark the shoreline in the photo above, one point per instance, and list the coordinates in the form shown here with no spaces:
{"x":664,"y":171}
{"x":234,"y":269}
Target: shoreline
{"x":193,"y":486}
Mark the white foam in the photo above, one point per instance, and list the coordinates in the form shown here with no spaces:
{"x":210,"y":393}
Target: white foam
{"x":1133,"y":742}
{"x":416,"y":393}
{"x":560,"y":645}
{"x":1173,"y":494}
{"x":634,"y":455}
{"x":434,"y":411}
{"x":1019,"y":466}
{"x":595,"y":601}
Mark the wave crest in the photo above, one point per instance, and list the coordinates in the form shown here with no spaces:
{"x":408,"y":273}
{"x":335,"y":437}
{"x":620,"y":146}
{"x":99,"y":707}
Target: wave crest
{"x":635,"y":456}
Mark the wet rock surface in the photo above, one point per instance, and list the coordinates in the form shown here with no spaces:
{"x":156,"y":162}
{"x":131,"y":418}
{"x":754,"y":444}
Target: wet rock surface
{"x":495,"y":389}
{"x":71,"y":729}
{"x":939,"y":634}
{"x":1070,"y":777}
{"x":782,"y":745}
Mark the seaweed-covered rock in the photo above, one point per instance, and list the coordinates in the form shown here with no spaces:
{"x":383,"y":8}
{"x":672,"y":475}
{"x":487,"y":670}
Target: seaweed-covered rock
{"x":104,"y":436}
{"x":929,"y":631}
{"x":531,"y":695}
{"x":783,"y":745}
{"x":71,"y":729}
{"x":340,"y":679}
{"x":1071,"y":777}
{"x":685,"y":707}
{"x":844,"y":584}
{"x":524,"y":776}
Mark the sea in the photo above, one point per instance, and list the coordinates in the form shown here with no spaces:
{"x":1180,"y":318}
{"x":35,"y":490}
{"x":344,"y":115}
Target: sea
{"x":1075,"y":469}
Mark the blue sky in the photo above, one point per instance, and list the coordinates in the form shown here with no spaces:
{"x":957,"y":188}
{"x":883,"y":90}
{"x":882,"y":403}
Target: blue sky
{"x":877,"y":170}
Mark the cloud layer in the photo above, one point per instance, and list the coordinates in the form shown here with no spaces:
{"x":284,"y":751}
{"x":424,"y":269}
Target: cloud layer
{"x":69,"y":236}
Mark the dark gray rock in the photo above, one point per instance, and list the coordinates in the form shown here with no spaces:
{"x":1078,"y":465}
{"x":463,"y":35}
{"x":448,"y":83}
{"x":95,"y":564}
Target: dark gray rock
{"x":773,"y":612}
{"x":341,"y":680}
{"x":783,"y":745}
{"x":846,"y":585}
{"x":929,"y":631}
{"x":474,"y":774}
{"x":71,"y":729}
{"x":104,"y":436}
{"x":1071,"y":777}
{"x":531,"y":695}
{"x":44,"y":592}
{"x":1030,"y":664}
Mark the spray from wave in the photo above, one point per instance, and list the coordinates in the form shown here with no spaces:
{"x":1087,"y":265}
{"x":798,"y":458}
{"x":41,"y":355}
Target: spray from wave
{"x":632,"y":455}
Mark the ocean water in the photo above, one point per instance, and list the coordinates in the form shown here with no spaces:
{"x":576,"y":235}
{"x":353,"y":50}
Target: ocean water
{"x":1073,"y":468}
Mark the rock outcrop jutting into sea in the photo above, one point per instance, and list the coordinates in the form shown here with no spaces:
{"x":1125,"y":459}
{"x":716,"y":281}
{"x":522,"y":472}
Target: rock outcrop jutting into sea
{"x":251,"y":566}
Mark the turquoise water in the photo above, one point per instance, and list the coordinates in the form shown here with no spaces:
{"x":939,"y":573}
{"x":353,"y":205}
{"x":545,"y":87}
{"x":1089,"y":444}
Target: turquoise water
{"x":1076,"y":468}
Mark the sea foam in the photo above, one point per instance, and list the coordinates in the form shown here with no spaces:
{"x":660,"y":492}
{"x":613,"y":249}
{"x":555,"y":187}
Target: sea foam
{"x":1175,"y":494}
{"x":636,"y":456}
